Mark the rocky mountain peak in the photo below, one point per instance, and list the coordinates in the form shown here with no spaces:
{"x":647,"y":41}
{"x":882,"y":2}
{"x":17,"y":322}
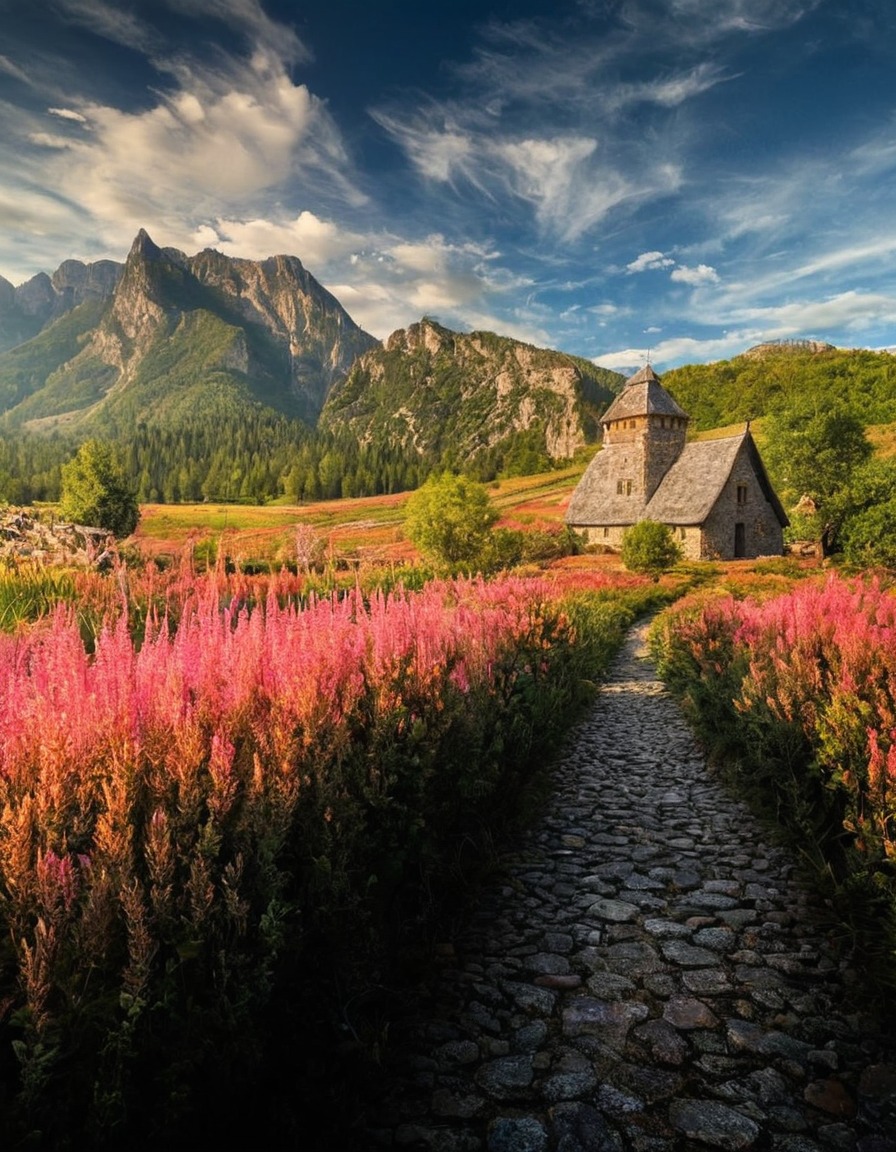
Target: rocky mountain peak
{"x":143,"y":248}
{"x":74,"y":281}
{"x":425,"y":334}
{"x":36,"y":295}
{"x":266,"y":329}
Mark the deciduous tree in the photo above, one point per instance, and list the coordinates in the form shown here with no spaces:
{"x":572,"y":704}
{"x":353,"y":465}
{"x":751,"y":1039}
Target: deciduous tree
{"x":450,"y":519}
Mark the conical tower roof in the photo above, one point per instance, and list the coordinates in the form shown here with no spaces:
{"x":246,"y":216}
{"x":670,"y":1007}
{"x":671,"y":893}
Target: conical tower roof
{"x":643,"y":395}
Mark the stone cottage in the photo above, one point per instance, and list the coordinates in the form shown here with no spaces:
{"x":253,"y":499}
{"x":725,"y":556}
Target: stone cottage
{"x":715,"y":495}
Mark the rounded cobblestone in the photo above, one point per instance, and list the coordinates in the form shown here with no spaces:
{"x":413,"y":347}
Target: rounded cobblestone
{"x":649,"y":974}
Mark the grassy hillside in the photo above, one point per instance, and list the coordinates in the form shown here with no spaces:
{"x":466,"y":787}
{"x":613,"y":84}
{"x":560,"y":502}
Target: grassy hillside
{"x":368,"y":527}
{"x":24,"y":369}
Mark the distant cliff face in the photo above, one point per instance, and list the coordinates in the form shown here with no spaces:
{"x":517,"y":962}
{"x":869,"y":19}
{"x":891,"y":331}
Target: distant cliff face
{"x":430,"y":390}
{"x":163,"y":325}
{"x":30,"y":307}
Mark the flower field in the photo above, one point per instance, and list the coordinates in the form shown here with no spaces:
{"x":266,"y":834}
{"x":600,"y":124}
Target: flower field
{"x":800,"y":690}
{"x":214,"y":788}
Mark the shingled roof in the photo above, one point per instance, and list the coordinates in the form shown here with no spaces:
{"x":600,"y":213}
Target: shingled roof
{"x":594,"y":500}
{"x":692,"y":485}
{"x":642,"y":395}
{"x":686,"y":493}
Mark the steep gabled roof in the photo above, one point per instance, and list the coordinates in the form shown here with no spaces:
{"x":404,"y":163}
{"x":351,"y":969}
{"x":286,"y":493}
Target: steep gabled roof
{"x":686,"y":493}
{"x":692,"y":485}
{"x":642,"y":395}
{"x":595,"y":501}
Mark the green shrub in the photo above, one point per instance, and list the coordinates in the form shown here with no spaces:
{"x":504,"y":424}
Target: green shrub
{"x":648,"y":547}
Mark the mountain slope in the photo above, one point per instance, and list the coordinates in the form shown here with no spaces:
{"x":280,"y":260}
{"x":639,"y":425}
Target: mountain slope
{"x":26,"y":310}
{"x":179,"y":332}
{"x":453,"y":398}
{"x":748,"y":386}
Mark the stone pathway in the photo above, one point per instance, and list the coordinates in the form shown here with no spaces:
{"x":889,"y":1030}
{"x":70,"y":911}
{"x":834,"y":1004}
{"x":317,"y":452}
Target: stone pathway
{"x":648,"y":975}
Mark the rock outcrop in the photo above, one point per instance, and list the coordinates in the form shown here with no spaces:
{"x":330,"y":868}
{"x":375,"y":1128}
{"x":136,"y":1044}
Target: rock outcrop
{"x":26,"y":535}
{"x":427,"y":388}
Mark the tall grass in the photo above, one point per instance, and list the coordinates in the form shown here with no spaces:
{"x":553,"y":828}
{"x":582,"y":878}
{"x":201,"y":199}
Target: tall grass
{"x":28,"y":591}
{"x":230,"y":790}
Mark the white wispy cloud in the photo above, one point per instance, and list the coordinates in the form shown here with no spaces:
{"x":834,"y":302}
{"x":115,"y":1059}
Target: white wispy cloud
{"x":111,"y":22}
{"x":68,"y":114}
{"x":438,"y":149}
{"x":702,"y":274}
{"x":219,"y":140}
{"x":320,"y":243}
{"x":10,"y":68}
{"x":49,"y":140}
{"x":850,"y":311}
{"x":666,"y":91}
{"x":553,"y":176}
{"x":702,"y":21}
{"x":649,"y":260}
{"x":684,"y":349}
{"x":249,"y":18}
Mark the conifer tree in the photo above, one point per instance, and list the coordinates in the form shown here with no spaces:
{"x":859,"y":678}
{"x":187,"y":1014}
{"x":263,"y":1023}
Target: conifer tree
{"x":96,"y":491}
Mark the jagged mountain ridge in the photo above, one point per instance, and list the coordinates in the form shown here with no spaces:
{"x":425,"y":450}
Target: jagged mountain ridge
{"x":30,"y":307}
{"x":175,"y":332}
{"x":430,"y":390}
{"x":164,"y":335}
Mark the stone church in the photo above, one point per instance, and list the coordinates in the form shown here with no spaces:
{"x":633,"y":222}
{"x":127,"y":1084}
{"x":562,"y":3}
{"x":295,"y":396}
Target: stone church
{"x":715,"y":495}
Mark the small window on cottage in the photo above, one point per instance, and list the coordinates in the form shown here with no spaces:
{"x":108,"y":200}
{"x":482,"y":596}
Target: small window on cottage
{"x":606,"y":532}
{"x":628,"y":487}
{"x":619,"y":487}
{"x":683,"y":532}
{"x":741,"y":493}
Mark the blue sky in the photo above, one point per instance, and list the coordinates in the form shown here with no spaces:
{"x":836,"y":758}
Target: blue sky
{"x":611,"y":178}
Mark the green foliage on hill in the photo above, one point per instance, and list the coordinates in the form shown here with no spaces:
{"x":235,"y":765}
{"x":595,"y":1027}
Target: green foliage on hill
{"x":816,"y":408}
{"x":25,"y":369}
{"x":747,"y":387}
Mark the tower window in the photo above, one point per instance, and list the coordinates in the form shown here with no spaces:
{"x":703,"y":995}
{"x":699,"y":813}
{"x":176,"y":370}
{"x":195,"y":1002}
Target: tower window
{"x":741,"y":493}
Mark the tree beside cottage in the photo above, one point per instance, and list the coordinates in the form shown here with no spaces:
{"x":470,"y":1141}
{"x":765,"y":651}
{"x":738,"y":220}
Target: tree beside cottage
{"x":715,"y":495}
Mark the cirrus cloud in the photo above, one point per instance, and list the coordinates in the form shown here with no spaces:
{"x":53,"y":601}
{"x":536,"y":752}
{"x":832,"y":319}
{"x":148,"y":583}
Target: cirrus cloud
{"x":648,"y":260}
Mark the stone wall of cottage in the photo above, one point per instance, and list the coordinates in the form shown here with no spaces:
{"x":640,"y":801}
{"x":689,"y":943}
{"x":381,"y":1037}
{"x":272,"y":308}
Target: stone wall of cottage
{"x":690,"y":538}
{"x":609,"y":536}
{"x":639,"y":451}
{"x":666,"y":441}
{"x":742,"y":502}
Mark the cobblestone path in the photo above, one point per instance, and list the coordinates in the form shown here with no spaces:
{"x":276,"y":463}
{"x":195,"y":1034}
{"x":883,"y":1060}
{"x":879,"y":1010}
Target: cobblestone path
{"x":648,"y":975}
